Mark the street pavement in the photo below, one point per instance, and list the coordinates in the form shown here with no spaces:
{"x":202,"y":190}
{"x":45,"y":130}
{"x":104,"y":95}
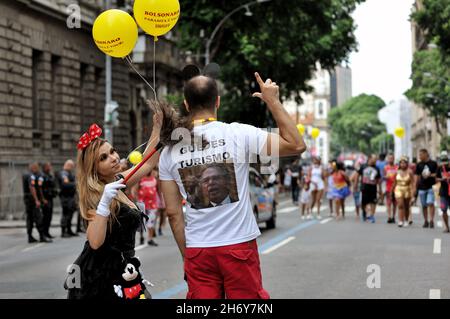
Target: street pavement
{"x":299,"y":259}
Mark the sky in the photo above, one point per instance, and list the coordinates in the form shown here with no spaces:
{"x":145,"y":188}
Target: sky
{"x":382,"y":65}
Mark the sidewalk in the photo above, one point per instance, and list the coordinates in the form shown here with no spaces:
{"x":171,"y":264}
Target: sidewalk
{"x":21,"y":223}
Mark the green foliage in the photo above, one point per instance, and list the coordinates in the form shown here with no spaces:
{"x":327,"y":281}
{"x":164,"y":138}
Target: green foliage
{"x":383,"y":142}
{"x":435,"y":19}
{"x":431,"y":85}
{"x":174,"y":99}
{"x":283,"y":40}
{"x":445,"y":143}
{"x":355,"y":125}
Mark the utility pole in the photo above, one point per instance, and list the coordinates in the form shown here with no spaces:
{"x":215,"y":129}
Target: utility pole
{"x":110,"y":106}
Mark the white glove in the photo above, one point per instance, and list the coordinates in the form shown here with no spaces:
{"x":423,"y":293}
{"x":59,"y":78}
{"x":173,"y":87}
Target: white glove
{"x":109,"y":193}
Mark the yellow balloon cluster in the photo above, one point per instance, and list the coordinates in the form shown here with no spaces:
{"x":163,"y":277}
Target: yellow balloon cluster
{"x":399,"y":132}
{"x":156,"y":17}
{"x":115,"y":33}
{"x":135,"y":157}
{"x":301,"y":129}
{"x":315,"y":132}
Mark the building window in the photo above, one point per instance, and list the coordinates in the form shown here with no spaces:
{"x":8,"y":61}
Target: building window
{"x":321,"y":113}
{"x":55,"y":87}
{"x":99,"y":94}
{"x":83,"y":94}
{"x":35,"y":77}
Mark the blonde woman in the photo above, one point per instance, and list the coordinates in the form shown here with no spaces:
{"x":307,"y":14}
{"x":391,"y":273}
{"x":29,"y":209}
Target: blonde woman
{"x":404,"y":189}
{"x":107,"y":264}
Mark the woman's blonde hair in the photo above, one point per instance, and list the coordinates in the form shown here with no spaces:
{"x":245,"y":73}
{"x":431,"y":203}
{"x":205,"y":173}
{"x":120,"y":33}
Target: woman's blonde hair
{"x":89,"y":185}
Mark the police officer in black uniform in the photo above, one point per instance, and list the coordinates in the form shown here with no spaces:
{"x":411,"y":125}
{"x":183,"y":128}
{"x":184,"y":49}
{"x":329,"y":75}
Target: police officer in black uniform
{"x":67,"y":194}
{"x":32,"y":182}
{"x":48,"y":193}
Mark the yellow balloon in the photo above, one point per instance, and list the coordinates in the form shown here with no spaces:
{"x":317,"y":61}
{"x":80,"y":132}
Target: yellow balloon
{"x":156,"y":17}
{"x":399,"y":132}
{"x":115,"y":33}
{"x":301,"y":129}
{"x":135,"y":157}
{"x":315,"y":133}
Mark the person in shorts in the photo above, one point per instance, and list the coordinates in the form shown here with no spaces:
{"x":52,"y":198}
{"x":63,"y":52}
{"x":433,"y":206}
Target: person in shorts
{"x":370,"y":182}
{"x":443,"y":176}
{"x":425,"y":179}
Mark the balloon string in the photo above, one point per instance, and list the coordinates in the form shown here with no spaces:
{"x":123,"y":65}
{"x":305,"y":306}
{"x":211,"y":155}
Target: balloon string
{"x":154,"y":64}
{"x":130,"y":62}
{"x":138,"y":147}
{"x":141,"y":146}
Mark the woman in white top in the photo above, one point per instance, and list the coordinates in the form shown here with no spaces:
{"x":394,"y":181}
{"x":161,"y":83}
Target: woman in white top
{"x":316,"y":176}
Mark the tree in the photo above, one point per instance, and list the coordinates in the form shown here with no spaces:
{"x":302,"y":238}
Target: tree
{"x":431,"y":87}
{"x":431,"y":68}
{"x":282,"y":40}
{"x":445,"y":143}
{"x":355,"y":125}
{"x":434,"y":20}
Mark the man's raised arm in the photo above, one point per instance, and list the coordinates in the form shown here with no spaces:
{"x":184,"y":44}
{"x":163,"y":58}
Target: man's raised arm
{"x":289,"y":140}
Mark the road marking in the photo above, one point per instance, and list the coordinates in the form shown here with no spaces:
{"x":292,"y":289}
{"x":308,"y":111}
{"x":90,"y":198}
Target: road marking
{"x":287,"y":210}
{"x":435,"y":293}
{"x":182,"y":286}
{"x":326,"y":220}
{"x":439,"y":223}
{"x":437,"y":246}
{"x":33,"y":247}
{"x":282,"y":243}
{"x":140,"y":247}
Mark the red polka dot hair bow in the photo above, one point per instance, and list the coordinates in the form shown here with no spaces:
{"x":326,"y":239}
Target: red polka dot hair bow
{"x":85,"y":139}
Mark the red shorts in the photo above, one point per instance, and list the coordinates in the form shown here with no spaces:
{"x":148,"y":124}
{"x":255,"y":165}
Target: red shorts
{"x":231,"y":272}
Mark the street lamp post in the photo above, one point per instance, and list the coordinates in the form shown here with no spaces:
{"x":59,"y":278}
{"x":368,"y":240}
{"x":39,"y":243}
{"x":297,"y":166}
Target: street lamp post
{"x":213,"y":34}
{"x":107,"y":124}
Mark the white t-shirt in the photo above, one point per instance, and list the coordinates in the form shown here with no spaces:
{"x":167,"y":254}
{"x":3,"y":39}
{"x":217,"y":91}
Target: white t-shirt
{"x":215,"y":182}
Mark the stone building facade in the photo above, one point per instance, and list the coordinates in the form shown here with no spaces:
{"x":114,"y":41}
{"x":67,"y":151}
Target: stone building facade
{"x":52,"y":87}
{"x":424,"y":130}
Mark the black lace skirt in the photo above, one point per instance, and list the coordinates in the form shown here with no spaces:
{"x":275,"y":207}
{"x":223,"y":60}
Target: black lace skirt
{"x":99,"y":270}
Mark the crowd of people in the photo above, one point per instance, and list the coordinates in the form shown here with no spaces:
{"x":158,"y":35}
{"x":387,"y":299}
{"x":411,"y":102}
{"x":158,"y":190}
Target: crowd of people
{"x":381,"y":180}
{"x":216,"y":230}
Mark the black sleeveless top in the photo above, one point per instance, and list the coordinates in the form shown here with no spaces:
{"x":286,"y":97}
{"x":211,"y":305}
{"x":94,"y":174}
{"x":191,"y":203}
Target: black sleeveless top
{"x":101,"y":268}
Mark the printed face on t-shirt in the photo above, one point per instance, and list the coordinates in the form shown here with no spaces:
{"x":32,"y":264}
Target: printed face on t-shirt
{"x":210,"y":185}
{"x":215,"y":184}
